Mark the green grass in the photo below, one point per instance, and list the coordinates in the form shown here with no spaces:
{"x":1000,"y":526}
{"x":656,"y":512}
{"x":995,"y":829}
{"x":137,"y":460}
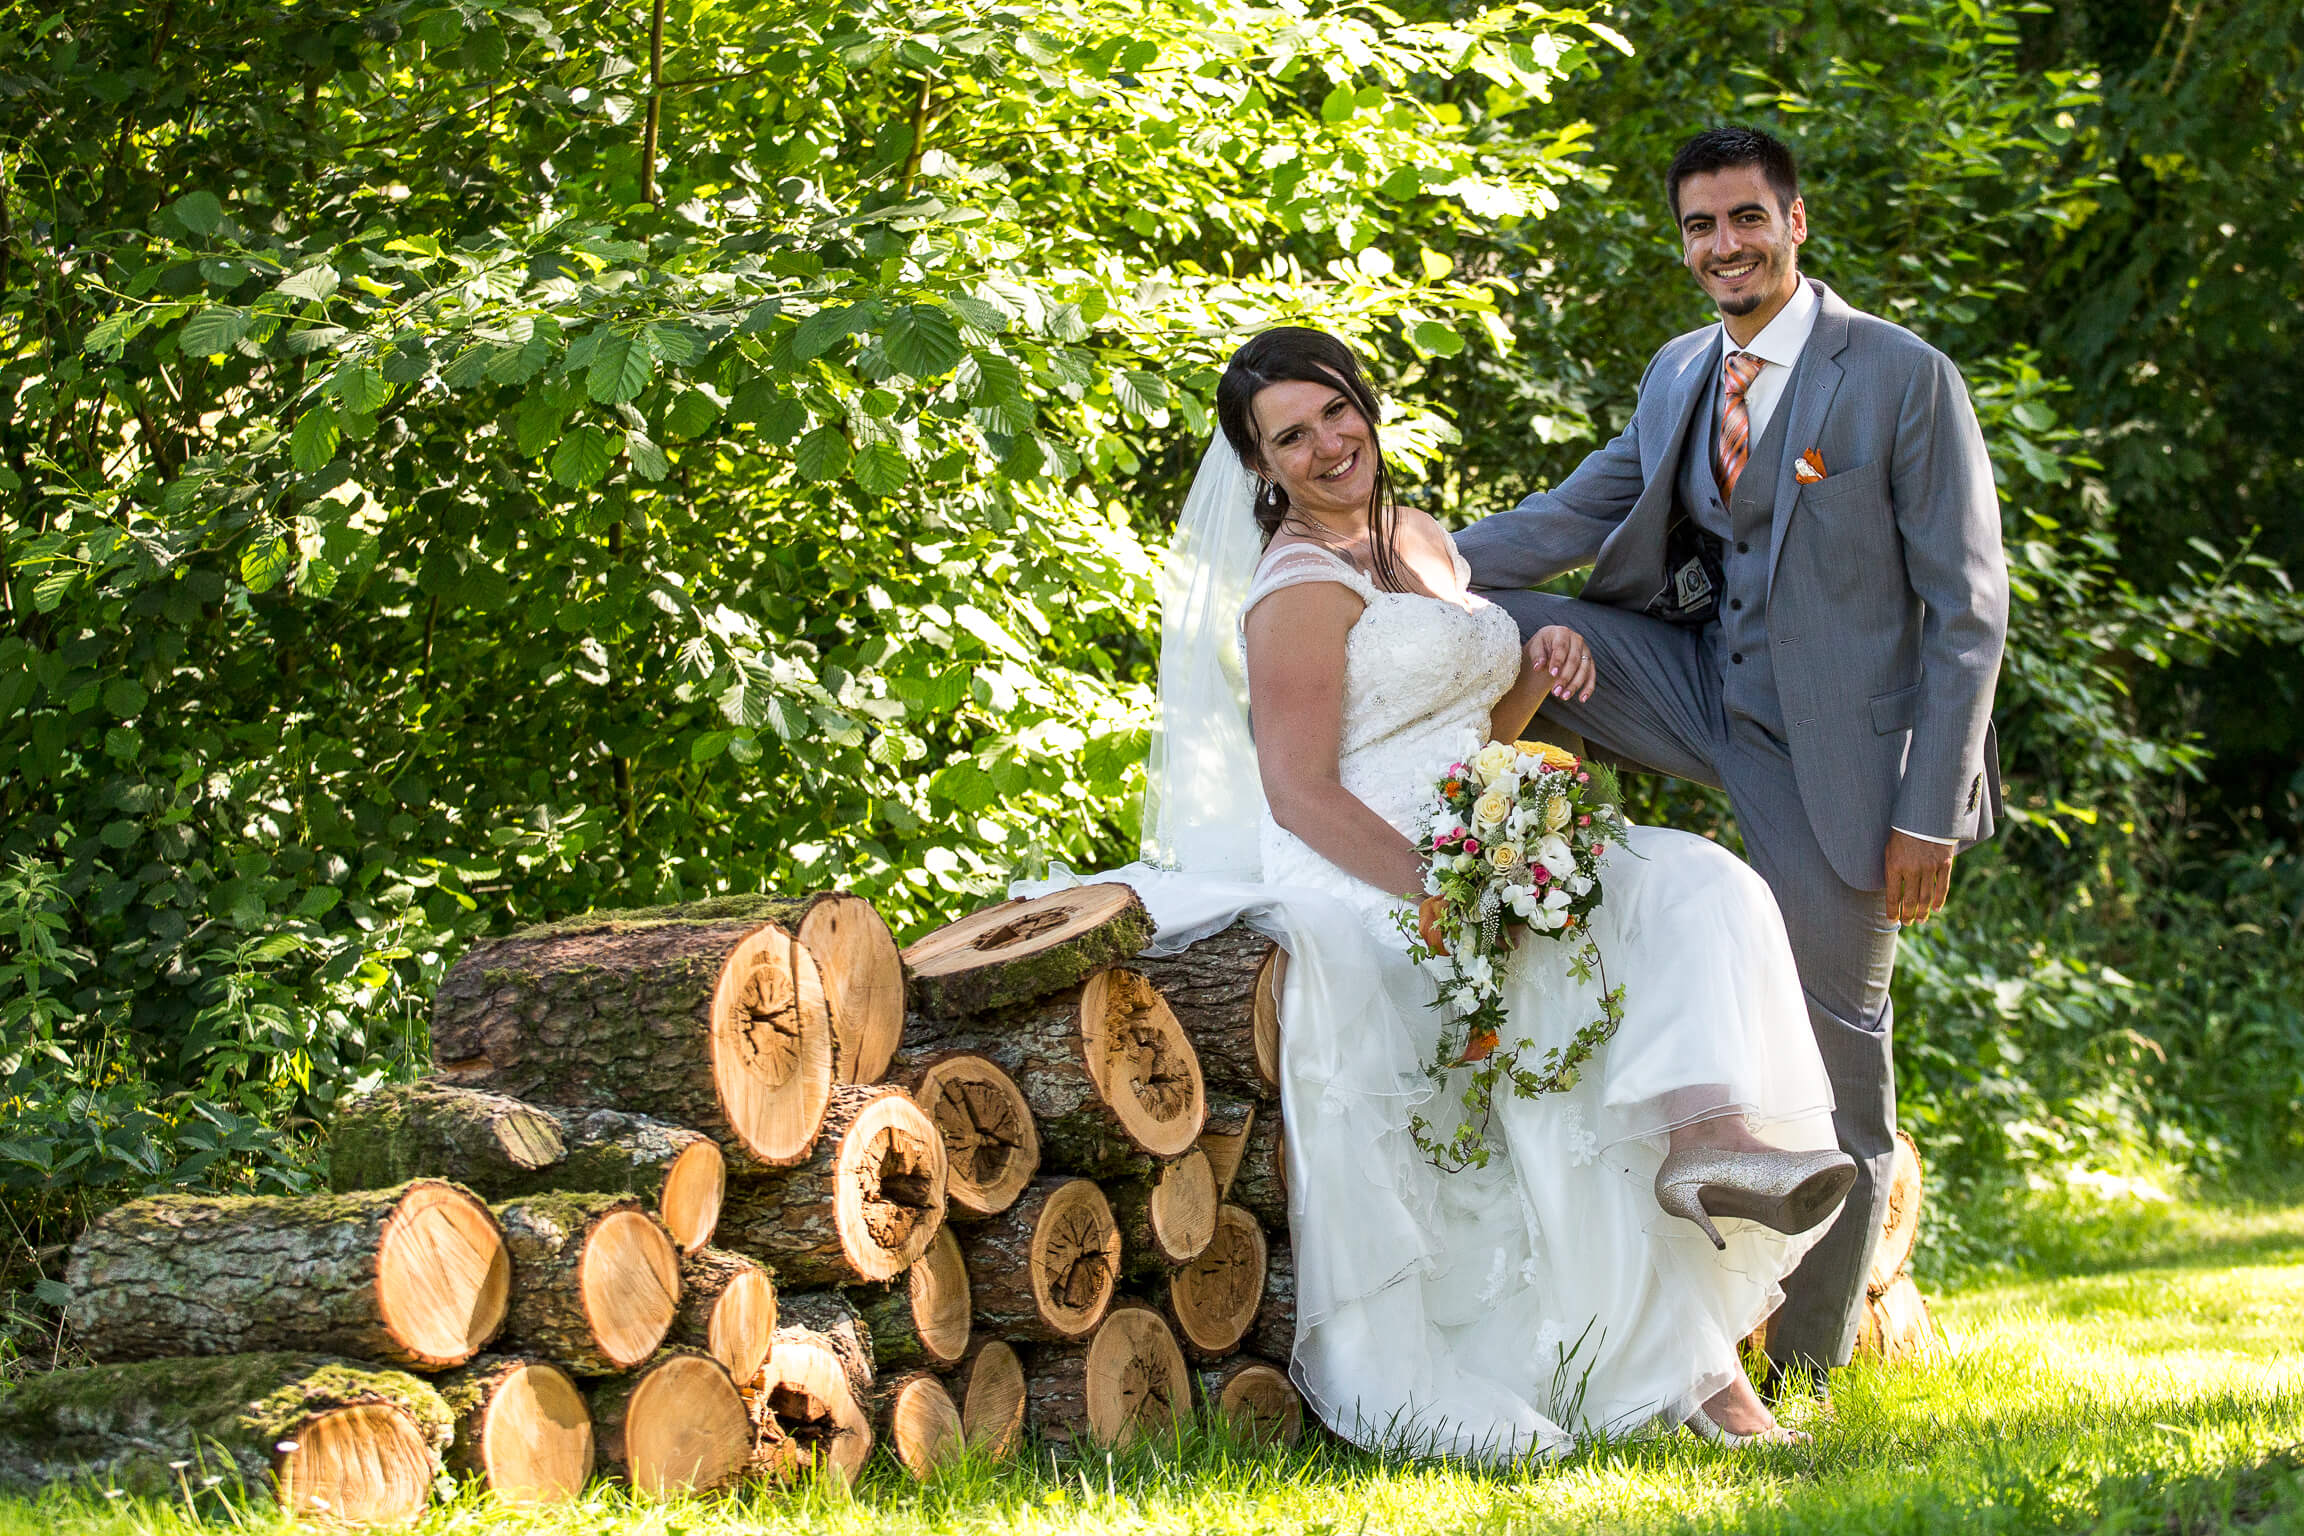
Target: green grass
{"x":2160,"y":1391}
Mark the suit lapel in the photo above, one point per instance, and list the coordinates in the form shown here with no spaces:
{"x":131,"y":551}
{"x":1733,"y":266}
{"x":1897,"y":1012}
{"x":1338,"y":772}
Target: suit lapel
{"x":1814,"y":383}
{"x":1631,"y":564}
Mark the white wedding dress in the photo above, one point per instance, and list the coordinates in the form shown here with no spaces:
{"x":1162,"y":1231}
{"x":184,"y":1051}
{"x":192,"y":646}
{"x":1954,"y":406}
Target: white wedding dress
{"x":1500,"y":1311}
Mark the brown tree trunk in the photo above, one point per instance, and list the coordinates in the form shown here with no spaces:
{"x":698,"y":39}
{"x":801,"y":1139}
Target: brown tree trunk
{"x":1113,"y":1084}
{"x":1168,"y":1219}
{"x":727,"y":1310}
{"x":596,"y":1280}
{"x":1261,"y":1185}
{"x":1273,"y":1334}
{"x":924,"y":1320}
{"x":521,"y":1428}
{"x":1225,"y":992}
{"x":989,"y":1387}
{"x":829,"y":1318}
{"x":1225,"y":1137}
{"x":1015,"y":951}
{"x":1257,"y":1397}
{"x":1213,"y":1300}
{"x":416,"y":1275}
{"x":863,"y":1206}
{"x":502,"y":1148}
{"x":331,"y":1439}
{"x":676,"y":1425}
{"x":1045,"y":1267}
{"x":1896,"y":1326}
{"x":806,"y":1414}
{"x":1128,"y":1380}
{"x":718,"y":1024}
{"x":991,"y":1145}
{"x":1900,"y":1227}
{"x":918,"y":1422}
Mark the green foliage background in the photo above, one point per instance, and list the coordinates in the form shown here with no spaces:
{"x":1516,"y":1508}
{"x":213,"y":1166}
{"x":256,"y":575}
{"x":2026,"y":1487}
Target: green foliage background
{"x":463,"y":462}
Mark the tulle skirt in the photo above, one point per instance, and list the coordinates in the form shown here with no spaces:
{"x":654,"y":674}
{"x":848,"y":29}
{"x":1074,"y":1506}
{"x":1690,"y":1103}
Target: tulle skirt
{"x":1503,"y":1311}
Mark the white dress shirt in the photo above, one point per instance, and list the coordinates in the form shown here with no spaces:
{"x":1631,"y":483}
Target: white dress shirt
{"x":1778,"y":346}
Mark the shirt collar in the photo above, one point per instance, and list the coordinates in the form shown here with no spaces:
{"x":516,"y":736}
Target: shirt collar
{"x":1783,"y":338}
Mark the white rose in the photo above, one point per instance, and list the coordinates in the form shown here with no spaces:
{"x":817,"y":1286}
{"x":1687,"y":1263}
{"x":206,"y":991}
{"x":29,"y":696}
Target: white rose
{"x":1556,"y":814}
{"x":1466,"y":861}
{"x":1489,"y":811}
{"x":1503,"y":855}
{"x":1492,"y":760}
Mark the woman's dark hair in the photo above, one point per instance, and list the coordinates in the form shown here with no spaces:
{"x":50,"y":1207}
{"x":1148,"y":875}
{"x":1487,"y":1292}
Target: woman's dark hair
{"x":1294,"y":354}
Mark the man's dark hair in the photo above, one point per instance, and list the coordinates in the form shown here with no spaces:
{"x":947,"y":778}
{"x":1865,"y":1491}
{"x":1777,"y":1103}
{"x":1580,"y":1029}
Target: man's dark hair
{"x":1720,"y":149}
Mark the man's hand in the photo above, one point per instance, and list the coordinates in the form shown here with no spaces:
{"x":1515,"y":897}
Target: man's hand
{"x":1919,"y":878}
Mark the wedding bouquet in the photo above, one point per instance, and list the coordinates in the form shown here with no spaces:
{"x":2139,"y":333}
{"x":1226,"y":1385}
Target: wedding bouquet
{"x":1515,"y":840}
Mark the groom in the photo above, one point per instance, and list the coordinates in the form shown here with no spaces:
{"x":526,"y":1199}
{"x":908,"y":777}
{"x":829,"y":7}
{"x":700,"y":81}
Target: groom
{"x":1797,"y":594}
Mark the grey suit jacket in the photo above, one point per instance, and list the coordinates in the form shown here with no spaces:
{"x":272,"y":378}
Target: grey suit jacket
{"x":1888,"y":594}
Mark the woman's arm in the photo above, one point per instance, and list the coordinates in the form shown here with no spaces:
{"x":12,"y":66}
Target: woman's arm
{"x":1555,"y":661}
{"x":1296,"y":687}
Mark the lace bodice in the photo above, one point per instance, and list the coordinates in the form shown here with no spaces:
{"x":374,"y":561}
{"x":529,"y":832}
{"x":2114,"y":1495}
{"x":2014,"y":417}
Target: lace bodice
{"x":1421,"y":675}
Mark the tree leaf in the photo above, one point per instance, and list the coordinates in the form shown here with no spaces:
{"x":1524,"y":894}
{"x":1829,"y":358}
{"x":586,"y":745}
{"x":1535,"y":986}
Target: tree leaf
{"x":212,"y":332}
{"x":583,"y":457}
{"x":313,"y":284}
{"x":922,"y":341}
{"x":314,"y":441}
{"x":1437,"y":338}
{"x":823,"y":330}
{"x":264,"y":562}
{"x":822,"y":455}
{"x":1140,"y":393}
{"x":621,"y":368}
{"x":882,"y":469}
{"x":647,"y":460}
{"x":198,"y":212}
{"x":360,"y":387}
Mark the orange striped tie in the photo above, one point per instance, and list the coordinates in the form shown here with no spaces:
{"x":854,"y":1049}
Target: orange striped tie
{"x":1737,"y":371}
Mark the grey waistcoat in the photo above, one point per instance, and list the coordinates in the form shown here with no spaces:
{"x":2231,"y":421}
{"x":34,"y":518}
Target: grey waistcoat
{"x":1747,"y":677}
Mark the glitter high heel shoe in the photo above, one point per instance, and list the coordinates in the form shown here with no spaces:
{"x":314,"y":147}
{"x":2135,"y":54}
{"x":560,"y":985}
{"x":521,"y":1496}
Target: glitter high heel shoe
{"x":1790,"y":1191}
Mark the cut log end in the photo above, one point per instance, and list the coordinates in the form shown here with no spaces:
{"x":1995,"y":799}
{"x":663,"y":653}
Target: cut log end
{"x":919,"y":1423}
{"x":1019,"y":950}
{"x":1141,"y":1062}
{"x":991,"y":1390}
{"x":809,"y":1415}
{"x":937,"y":1287}
{"x":772,"y":1046}
{"x":443,"y":1280}
{"x":630,"y":1284}
{"x":991,"y":1146}
{"x":863,"y":976}
{"x":684,"y":1428}
{"x":1900,"y":1226}
{"x":1215,"y":1297}
{"x":1271,"y":980}
{"x":1225,"y":1139}
{"x":890,"y":1192}
{"x":1181,"y":1211}
{"x":694,"y":1187}
{"x":530,"y":1435}
{"x":1260,"y":1401}
{"x":1074,"y":1259}
{"x":367,"y":1464}
{"x":1129,"y":1381}
{"x":743,"y":1324}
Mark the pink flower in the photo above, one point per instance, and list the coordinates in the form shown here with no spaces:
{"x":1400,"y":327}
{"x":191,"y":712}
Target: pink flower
{"x":1539,"y":873}
{"x":1439,"y":839}
{"x":1583,"y":821}
{"x":1583,"y":778}
{"x":1599,"y":849}
{"x":1471,"y":845}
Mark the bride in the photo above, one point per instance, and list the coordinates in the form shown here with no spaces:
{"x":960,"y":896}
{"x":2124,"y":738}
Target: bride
{"x":1500,"y":1310}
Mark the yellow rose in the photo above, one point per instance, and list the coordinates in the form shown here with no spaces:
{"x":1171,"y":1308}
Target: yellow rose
{"x":1546,"y":753}
{"x":1489,"y":810}
{"x":1492,"y":760}
{"x":1503,"y":856}
{"x":1556,"y":814}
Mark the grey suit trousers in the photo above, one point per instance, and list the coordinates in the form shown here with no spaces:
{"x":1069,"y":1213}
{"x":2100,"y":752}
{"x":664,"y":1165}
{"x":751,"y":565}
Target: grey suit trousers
{"x":1658,"y":704}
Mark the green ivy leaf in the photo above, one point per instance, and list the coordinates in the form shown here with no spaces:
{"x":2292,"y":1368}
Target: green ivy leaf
{"x":922,"y":342}
{"x":583,"y":457}
{"x":822,"y":454}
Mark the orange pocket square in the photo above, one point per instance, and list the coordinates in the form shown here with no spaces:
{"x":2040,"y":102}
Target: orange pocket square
{"x":1810,"y":469}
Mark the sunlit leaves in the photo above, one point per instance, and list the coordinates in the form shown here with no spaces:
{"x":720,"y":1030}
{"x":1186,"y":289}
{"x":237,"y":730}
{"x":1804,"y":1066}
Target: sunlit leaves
{"x":823,"y":454}
{"x":313,"y":443}
{"x":621,"y":366}
{"x":583,"y":456}
{"x":214,"y":330}
{"x":921,"y":341}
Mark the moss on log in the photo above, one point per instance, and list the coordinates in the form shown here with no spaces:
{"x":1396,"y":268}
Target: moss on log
{"x":1015,"y":951}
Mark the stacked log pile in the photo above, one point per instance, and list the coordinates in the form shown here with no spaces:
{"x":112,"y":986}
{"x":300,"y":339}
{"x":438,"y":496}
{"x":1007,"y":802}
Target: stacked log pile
{"x":1895,"y":1325}
{"x":692,"y":1198}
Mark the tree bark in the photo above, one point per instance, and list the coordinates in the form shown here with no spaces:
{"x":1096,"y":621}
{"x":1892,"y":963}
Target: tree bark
{"x":1256,"y":1396}
{"x":991,"y":1145}
{"x":1166,"y":1220}
{"x":416,"y":1275}
{"x":1900,"y":1227}
{"x":1044,"y":1268}
{"x":806,"y":1413}
{"x":1015,"y":951}
{"x":596,"y":1280}
{"x":521,"y":1428}
{"x":330,"y":1439}
{"x":831,"y":1319}
{"x":1113,"y":1085}
{"x":1213,"y":1301}
{"x":918,"y":1422}
{"x":989,"y":1387}
{"x":1225,"y":993}
{"x":715,"y":1023}
{"x":1273,"y":1335}
{"x":1128,"y":1380}
{"x":862,"y":1207}
{"x":1896,"y":1326}
{"x":676,"y":1425}
{"x":1225,"y":1137}
{"x":1261,"y":1185}
{"x":502,"y":1148}
{"x":924,"y":1320}
{"x":727,"y":1309}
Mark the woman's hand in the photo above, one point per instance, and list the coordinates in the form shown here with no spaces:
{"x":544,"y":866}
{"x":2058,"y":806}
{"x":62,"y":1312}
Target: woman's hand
{"x":1561,"y":653}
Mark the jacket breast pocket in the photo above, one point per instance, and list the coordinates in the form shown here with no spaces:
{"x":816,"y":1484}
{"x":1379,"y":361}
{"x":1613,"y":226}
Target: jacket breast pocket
{"x":1848,"y":482}
{"x":1896,"y":710}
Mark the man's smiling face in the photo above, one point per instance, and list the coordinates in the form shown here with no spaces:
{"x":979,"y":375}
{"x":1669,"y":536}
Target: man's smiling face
{"x":1739,"y":241}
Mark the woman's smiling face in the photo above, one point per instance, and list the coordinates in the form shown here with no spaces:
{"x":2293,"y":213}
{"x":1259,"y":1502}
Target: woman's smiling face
{"x":1317,"y":447}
